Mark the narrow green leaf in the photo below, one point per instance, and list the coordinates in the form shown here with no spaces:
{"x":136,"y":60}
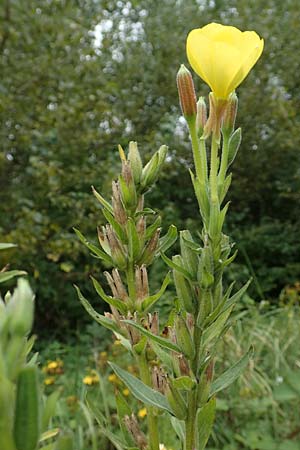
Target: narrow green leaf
{"x":5,"y":276}
{"x":175,"y":266}
{"x":49,"y":409}
{"x":216,"y":328}
{"x":102,"y":200}
{"x":159,"y":340}
{"x":5,"y":245}
{"x":142,"y":392}
{"x":236,"y":297}
{"x":168,"y":240}
{"x":93,"y":248}
{"x":104,"y":321}
{"x":179,"y":428}
{"x":148,"y":302}
{"x":49,"y":434}
{"x":152,"y":228}
{"x":205,"y":421}
{"x":220,"y":308}
{"x":117,"y":303}
{"x":230,"y":375}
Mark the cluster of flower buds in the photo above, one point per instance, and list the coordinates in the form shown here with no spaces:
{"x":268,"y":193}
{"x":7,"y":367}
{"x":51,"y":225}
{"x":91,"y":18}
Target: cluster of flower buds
{"x":133,"y":427}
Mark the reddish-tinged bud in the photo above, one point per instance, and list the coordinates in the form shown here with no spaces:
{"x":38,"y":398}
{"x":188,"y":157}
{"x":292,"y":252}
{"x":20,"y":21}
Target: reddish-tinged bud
{"x":153,"y":322}
{"x":116,"y":248}
{"x":122,"y":293}
{"x":183,"y":365}
{"x":132,"y":426}
{"x":187,"y":95}
{"x":158,"y":379}
{"x":117,"y":204}
{"x":150,"y":249}
{"x":230,"y":115}
{"x":141,"y":282}
{"x":217,"y":108}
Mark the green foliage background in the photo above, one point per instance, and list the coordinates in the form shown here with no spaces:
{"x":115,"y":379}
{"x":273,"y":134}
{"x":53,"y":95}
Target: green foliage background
{"x":69,"y":95}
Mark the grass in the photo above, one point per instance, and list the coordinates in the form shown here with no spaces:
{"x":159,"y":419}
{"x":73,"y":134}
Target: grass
{"x":259,"y":412}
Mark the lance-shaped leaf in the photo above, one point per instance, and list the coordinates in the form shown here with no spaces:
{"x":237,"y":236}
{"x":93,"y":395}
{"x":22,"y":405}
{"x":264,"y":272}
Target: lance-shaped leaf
{"x":168,"y":240}
{"x":116,"y":226}
{"x":175,"y":266}
{"x":104,"y":321}
{"x":216,"y":328}
{"x":5,"y":276}
{"x":236,"y":297}
{"x":94,"y":249}
{"x":117,"y":303}
{"x":230,"y":375}
{"x":152,"y":228}
{"x":148,"y":302}
{"x":205,"y":421}
{"x":140,"y":390}
{"x":220,"y":308}
{"x":5,"y":245}
{"x":102,"y":200}
{"x":159,"y":340}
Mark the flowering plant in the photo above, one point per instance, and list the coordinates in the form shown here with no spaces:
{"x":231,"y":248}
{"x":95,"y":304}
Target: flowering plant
{"x":176,"y":361}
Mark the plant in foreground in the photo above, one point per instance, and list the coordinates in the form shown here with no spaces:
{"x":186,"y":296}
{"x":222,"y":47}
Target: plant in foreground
{"x":176,"y":361}
{"x":24,"y":415}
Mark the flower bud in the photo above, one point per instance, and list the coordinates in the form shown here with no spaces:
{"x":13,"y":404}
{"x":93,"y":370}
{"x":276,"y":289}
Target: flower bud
{"x":230,"y":115}
{"x":135,"y":161}
{"x":141,"y":282}
{"x":21,"y":309}
{"x":150,"y":249}
{"x":118,"y":208}
{"x":158,"y":379}
{"x":175,"y":400}
{"x":116,"y":248}
{"x":187,"y":95}
{"x":153,"y":322}
{"x":184,"y":338}
{"x":127,"y":186}
{"x":133,"y":427}
{"x":151,"y":170}
{"x":183,"y":289}
{"x":189,"y":255}
{"x":201,"y":118}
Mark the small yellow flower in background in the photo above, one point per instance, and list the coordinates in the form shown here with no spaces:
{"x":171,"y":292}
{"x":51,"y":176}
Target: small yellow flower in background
{"x":126,"y":392}
{"x":88,"y":380}
{"x":223,"y":56}
{"x":142,"y":413}
{"x":117,"y":342}
{"x":54,"y":367}
{"x":49,"y":380}
{"x":113,"y":378}
{"x":91,"y":379}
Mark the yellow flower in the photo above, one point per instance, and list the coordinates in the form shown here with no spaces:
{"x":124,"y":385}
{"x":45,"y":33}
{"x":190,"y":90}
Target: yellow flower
{"x":113,"y":378}
{"x":52,"y":365}
{"x":142,"y":413}
{"x":223,"y":56}
{"x":126,"y":392}
{"x":88,"y":380}
{"x":48,"y":381}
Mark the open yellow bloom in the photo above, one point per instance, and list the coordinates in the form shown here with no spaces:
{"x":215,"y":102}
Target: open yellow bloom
{"x":223,"y":56}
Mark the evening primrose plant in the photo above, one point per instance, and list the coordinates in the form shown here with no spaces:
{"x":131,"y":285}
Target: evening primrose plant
{"x":176,"y":360}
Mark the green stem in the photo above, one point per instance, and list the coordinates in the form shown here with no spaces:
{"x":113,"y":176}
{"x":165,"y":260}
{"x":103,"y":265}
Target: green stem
{"x":224,"y":160}
{"x":214,"y":170}
{"x":197,"y":152}
{"x":151,"y":416}
{"x":190,"y":423}
{"x":131,"y":282}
